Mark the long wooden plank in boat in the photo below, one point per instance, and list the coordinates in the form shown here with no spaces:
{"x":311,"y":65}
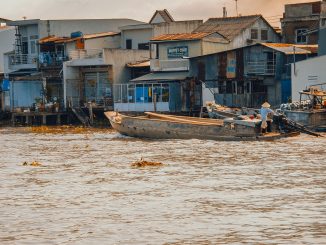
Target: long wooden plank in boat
{"x":182,"y":119}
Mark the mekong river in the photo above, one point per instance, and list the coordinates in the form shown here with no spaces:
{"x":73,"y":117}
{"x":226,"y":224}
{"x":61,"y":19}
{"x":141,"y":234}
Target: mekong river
{"x":87,"y":192}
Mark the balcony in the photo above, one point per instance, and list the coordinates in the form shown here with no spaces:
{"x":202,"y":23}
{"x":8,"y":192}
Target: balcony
{"x":262,"y":68}
{"x":170,"y":65}
{"x":85,"y":54}
{"x":22,"y":61}
{"x":51,"y":60}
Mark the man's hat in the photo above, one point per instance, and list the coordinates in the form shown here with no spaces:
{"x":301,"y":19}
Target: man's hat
{"x":266,"y":105}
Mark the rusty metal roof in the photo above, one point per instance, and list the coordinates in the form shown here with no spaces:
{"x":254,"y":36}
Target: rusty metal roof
{"x":182,"y":36}
{"x":229,"y":27}
{"x":51,"y":39}
{"x":54,"y":39}
{"x":288,"y":49}
{"x":139,"y":64}
{"x":313,"y":48}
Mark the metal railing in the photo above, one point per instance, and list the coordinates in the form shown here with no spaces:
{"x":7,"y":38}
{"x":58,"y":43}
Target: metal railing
{"x":263,"y":67}
{"x":22,"y":59}
{"x":85,"y":54}
{"x":170,"y":65}
{"x":49,"y":59}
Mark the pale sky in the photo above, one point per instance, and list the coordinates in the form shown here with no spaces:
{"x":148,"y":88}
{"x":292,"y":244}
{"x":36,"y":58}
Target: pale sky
{"x":139,"y":9}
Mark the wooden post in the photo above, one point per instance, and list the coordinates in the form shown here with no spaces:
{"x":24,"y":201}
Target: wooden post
{"x":44,"y":119}
{"x":90,"y":110}
{"x":58,"y":119}
{"x":13,"y":119}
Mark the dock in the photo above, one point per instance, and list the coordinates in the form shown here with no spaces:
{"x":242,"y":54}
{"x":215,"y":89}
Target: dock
{"x":31,"y":117}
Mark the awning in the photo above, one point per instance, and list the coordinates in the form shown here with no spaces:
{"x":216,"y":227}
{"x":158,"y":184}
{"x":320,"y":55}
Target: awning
{"x":162,"y":77}
{"x":140,"y":64}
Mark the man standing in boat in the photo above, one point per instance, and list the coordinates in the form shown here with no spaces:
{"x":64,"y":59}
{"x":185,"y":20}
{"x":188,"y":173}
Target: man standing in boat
{"x":264,"y":112}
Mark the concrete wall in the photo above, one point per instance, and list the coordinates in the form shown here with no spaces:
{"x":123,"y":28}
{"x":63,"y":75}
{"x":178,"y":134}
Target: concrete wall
{"x":301,"y":10}
{"x":176,"y":27}
{"x":157,"y":19}
{"x":210,"y":47}
{"x":137,"y":36}
{"x":7,"y":40}
{"x":103,"y":42}
{"x":118,"y":58}
{"x":70,"y":86}
{"x":307,"y":73}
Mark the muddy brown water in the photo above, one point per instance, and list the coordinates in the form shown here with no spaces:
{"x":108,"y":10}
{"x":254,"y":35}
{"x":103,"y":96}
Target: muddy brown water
{"x":86,"y":191}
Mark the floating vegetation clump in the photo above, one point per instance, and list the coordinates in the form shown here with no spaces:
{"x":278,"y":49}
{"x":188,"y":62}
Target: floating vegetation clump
{"x":33,"y":164}
{"x":142,"y":163}
{"x":65,"y":129}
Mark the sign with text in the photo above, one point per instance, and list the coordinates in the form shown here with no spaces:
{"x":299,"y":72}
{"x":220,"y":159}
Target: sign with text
{"x":178,"y":52}
{"x":231,"y":65}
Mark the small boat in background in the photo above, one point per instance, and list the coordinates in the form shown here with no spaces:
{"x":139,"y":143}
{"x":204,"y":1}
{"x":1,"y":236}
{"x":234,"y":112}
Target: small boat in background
{"x":161,"y":126}
{"x":310,"y":110}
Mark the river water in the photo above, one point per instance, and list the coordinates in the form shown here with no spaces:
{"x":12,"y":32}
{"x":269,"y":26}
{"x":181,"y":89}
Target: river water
{"x":87,"y":192}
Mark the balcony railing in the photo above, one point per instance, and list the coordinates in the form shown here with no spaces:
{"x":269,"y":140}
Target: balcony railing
{"x":85,"y":54}
{"x":20,"y":61}
{"x":170,"y":65}
{"x":265,"y":68}
{"x":47,"y":59}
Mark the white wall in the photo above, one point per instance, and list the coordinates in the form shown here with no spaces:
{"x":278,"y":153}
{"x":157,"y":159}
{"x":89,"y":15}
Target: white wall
{"x":137,"y":36}
{"x":241,"y":40}
{"x":305,"y":73}
{"x":7,"y":40}
{"x":103,"y":42}
{"x":66,"y":27}
{"x":157,"y":19}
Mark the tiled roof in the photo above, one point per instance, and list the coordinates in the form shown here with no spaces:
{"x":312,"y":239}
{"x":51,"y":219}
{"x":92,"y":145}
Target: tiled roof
{"x":229,"y":27}
{"x":181,"y":36}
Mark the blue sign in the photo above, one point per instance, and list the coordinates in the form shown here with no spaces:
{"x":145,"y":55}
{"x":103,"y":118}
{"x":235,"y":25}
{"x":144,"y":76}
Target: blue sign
{"x":5,"y":85}
{"x":178,"y":52}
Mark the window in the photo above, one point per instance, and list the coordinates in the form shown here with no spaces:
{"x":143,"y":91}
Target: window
{"x":264,"y":35}
{"x":33,"y":47}
{"x":300,"y":36}
{"x":254,"y":34}
{"x":128,"y":44}
{"x":143,"y":46}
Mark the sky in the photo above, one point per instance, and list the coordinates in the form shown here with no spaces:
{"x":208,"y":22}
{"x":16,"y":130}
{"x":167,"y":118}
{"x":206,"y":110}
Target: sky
{"x":140,"y":9}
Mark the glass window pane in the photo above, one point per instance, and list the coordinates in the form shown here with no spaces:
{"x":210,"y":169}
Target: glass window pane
{"x":165,"y":93}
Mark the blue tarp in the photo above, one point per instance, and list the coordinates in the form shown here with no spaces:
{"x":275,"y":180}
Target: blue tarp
{"x":5,"y":85}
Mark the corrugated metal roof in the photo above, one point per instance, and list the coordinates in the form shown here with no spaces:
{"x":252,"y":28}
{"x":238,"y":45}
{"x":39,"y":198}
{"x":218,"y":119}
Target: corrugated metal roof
{"x":54,"y":39}
{"x":288,"y":49}
{"x":313,"y":48}
{"x":229,"y":27}
{"x":51,"y":39}
{"x":162,"y":77}
{"x":181,"y":36}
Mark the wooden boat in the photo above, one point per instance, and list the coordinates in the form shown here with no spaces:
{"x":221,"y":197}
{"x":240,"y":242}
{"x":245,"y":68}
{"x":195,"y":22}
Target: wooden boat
{"x":158,"y":126}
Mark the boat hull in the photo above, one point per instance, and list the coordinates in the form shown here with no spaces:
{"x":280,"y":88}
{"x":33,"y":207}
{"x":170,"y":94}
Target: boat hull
{"x":142,"y":127}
